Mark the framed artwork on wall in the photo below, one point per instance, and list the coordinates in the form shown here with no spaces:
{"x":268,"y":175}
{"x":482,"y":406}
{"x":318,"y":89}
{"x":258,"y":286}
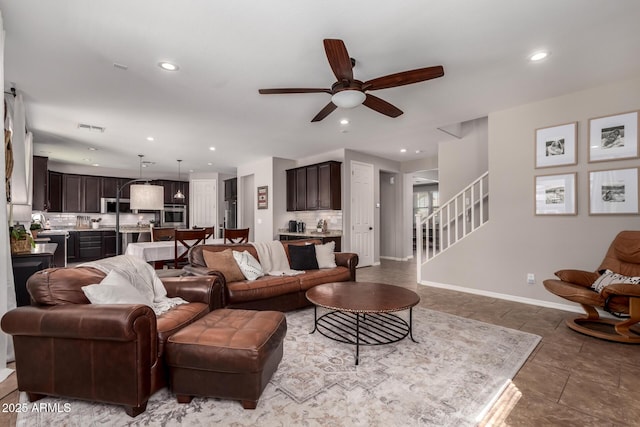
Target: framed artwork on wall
{"x":613,"y":137}
{"x":613,"y":191}
{"x":263,"y":197}
{"x":556,"y":145}
{"x":556,"y":194}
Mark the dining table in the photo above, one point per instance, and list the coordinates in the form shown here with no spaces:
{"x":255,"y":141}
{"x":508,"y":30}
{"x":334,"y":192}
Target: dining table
{"x":160,"y":251}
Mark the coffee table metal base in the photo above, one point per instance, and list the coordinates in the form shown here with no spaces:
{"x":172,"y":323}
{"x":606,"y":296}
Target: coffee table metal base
{"x":363,"y":328}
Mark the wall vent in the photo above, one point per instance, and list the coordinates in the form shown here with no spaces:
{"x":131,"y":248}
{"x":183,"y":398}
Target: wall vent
{"x":91,"y":128}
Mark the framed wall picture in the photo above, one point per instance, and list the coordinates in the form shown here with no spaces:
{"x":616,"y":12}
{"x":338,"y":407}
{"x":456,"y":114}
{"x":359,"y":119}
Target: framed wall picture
{"x":555,"y":194}
{"x":263,"y":197}
{"x":613,"y":191}
{"x":613,"y":137}
{"x":556,"y":145}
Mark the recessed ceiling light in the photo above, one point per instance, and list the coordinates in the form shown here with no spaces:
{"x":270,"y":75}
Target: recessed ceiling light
{"x":539,"y":56}
{"x":212,"y":148}
{"x":210,"y":164}
{"x":168,"y":66}
{"x":403,"y":150}
{"x":150,"y":138}
{"x":92,"y":149}
{"x":344,"y":121}
{"x":95,"y":164}
{"x":418,"y":151}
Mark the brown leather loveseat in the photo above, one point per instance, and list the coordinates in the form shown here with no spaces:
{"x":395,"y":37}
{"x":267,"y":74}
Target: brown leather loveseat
{"x":281,"y":293}
{"x":65,"y":346}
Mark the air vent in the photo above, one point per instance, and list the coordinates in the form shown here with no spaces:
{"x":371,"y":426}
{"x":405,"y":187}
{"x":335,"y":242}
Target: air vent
{"x":90,"y":128}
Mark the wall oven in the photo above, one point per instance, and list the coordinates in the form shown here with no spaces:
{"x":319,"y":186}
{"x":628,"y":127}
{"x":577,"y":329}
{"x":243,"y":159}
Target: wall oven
{"x":174,"y":216}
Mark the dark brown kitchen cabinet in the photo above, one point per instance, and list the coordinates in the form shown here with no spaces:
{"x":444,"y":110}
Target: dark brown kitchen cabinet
{"x":89,"y":245}
{"x":91,"y":193}
{"x":72,"y":193}
{"x":109,"y":187}
{"x":72,"y":247}
{"x":314,"y":187}
{"x":108,"y":243}
{"x":55,"y":192}
{"x":40,"y":199}
{"x":329,"y":186}
{"x":301,"y":189}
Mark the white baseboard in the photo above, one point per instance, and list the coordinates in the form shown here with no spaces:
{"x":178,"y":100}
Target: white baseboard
{"x":392,"y":258}
{"x":530,"y":301}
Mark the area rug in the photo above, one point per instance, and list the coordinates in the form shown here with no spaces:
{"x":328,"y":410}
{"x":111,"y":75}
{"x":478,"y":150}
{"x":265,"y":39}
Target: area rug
{"x":449,"y":378}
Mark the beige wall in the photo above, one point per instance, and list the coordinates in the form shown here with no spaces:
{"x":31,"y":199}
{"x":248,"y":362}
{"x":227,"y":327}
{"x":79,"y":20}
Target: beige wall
{"x":462,"y":161}
{"x":497,"y":258}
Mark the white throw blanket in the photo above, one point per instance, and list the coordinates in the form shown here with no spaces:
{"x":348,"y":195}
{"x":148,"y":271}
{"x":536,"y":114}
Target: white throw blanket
{"x":142,"y":276}
{"x":273,"y":259}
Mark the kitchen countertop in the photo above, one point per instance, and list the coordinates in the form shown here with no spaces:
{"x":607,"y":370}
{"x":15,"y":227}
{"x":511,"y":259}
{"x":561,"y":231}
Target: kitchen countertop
{"x":311,"y":233}
{"x":123,"y":229}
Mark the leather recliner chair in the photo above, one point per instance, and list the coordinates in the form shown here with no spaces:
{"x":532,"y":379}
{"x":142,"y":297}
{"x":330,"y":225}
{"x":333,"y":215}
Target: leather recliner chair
{"x":620,"y":299}
{"x":65,"y":346}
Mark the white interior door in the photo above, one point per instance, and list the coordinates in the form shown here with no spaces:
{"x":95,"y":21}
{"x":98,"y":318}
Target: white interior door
{"x":362,"y":241}
{"x":203,"y":196}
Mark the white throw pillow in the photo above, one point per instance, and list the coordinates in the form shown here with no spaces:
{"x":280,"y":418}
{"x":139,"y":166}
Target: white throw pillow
{"x":249,"y":266}
{"x":609,"y":277}
{"x":114,"y":289}
{"x":326,"y":256}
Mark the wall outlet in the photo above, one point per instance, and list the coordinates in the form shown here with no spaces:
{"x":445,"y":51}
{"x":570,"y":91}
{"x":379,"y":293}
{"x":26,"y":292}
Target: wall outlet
{"x":531,"y":279}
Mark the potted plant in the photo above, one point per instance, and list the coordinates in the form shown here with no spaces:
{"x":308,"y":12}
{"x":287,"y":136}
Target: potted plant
{"x":35,"y":228}
{"x":21,"y":241}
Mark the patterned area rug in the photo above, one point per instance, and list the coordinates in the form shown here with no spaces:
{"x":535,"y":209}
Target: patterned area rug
{"x":449,"y":378}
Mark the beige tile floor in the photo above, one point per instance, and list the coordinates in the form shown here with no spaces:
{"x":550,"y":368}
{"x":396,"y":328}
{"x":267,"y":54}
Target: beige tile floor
{"x":569,"y":380}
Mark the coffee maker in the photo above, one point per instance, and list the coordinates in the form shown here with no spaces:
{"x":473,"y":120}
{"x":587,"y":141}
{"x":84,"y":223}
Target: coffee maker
{"x":293,"y":226}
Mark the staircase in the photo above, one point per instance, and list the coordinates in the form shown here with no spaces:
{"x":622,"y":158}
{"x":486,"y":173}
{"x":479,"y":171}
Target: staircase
{"x":453,"y":221}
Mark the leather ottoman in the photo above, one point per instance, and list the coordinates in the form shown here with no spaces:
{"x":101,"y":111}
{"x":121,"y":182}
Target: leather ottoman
{"x":229,"y":354}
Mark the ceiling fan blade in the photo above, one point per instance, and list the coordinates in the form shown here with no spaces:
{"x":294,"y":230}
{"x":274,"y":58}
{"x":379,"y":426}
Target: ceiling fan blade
{"x":328,"y":109}
{"x":339,"y":59}
{"x":381,"y":106}
{"x":404,"y":78}
{"x":291,"y":90}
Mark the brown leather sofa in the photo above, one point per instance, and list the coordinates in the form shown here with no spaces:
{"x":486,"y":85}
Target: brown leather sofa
{"x":618,"y":298}
{"x":65,"y":346}
{"x":282,"y":293}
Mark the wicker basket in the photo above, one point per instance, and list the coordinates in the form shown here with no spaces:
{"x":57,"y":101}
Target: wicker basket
{"x":20,"y":246}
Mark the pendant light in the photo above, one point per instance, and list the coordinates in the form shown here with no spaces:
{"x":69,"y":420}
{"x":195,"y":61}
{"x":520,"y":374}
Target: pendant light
{"x":179,"y":194}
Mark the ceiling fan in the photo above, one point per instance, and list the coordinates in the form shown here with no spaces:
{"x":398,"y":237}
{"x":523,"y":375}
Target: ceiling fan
{"x":348,"y":92}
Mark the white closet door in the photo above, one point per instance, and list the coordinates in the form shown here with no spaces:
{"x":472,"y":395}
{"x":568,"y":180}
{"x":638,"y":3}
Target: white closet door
{"x":203,"y":196}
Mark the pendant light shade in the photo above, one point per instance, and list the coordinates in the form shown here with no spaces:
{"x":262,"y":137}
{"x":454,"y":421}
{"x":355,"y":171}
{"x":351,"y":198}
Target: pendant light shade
{"x":179,"y":194}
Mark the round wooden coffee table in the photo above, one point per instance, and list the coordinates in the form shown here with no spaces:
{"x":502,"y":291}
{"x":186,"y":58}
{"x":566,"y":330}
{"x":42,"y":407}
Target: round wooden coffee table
{"x":361,"y":313}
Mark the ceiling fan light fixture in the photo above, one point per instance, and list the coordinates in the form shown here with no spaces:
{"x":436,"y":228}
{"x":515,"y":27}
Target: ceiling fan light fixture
{"x":350,"y":98}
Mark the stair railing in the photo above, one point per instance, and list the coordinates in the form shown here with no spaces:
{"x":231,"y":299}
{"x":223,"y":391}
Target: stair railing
{"x":454,"y":220}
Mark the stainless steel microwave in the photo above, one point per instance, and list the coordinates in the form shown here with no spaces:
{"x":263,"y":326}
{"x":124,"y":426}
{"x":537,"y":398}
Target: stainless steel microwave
{"x":174,"y":216}
{"x":108,"y":205}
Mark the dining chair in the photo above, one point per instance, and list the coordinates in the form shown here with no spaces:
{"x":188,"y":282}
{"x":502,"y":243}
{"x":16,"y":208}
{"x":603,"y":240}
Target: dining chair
{"x":236,"y":235}
{"x":159,"y":234}
{"x":209,"y":232}
{"x":188,"y":239}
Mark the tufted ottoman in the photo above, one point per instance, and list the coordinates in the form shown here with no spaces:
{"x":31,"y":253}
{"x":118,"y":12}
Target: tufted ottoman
{"x":229,"y":354}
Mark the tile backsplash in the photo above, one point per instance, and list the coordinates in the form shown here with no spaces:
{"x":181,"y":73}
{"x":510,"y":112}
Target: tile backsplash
{"x":311,"y":218}
{"x":66,"y":220}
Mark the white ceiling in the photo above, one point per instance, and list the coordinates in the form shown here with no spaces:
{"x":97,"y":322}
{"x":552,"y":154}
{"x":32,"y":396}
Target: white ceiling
{"x":60,"y":55}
